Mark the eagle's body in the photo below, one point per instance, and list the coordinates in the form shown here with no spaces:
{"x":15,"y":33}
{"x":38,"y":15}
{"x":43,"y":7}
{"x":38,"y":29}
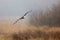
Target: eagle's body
{"x":22,"y":17}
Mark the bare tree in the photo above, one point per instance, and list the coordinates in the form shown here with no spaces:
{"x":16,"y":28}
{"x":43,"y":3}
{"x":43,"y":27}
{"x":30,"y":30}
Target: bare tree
{"x":48,"y":18}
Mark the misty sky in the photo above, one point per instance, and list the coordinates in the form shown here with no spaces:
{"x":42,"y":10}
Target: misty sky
{"x":9,"y":8}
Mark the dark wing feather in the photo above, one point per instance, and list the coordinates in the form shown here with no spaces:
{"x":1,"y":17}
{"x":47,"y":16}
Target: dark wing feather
{"x":17,"y":21}
{"x":27,"y":12}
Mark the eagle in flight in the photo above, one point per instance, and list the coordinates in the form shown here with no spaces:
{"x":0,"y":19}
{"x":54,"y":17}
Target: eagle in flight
{"x":22,"y":17}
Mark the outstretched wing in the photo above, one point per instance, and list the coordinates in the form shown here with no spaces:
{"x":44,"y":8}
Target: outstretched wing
{"x":22,"y":17}
{"x":27,"y":12}
{"x":16,"y":21}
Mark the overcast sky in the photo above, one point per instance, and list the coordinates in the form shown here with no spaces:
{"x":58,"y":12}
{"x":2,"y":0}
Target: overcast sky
{"x":9,"y":8}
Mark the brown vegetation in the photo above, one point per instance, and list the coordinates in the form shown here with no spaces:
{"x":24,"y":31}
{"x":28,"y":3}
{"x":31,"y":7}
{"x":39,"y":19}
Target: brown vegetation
{"x":19,"y":32}
{"x":50,"y":34}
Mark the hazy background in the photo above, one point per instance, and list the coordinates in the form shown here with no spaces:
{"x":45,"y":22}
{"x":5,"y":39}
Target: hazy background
{"x":13,"y":8}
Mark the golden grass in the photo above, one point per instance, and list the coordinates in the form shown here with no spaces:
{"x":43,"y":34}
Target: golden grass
{"x":24,"y":32}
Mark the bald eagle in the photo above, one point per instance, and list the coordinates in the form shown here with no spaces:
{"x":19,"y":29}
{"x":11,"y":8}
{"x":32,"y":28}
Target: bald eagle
{"x":22,"y":17}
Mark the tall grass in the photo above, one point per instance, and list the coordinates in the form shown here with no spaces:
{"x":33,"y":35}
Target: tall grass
{"x":37,"y":35}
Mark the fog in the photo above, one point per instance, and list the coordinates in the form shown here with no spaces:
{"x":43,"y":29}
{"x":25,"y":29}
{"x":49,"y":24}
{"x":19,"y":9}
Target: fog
{"x":14,"y":8}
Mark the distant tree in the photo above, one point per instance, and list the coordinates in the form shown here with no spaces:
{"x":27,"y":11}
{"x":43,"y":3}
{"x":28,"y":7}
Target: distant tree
{"x":48,"y":18}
